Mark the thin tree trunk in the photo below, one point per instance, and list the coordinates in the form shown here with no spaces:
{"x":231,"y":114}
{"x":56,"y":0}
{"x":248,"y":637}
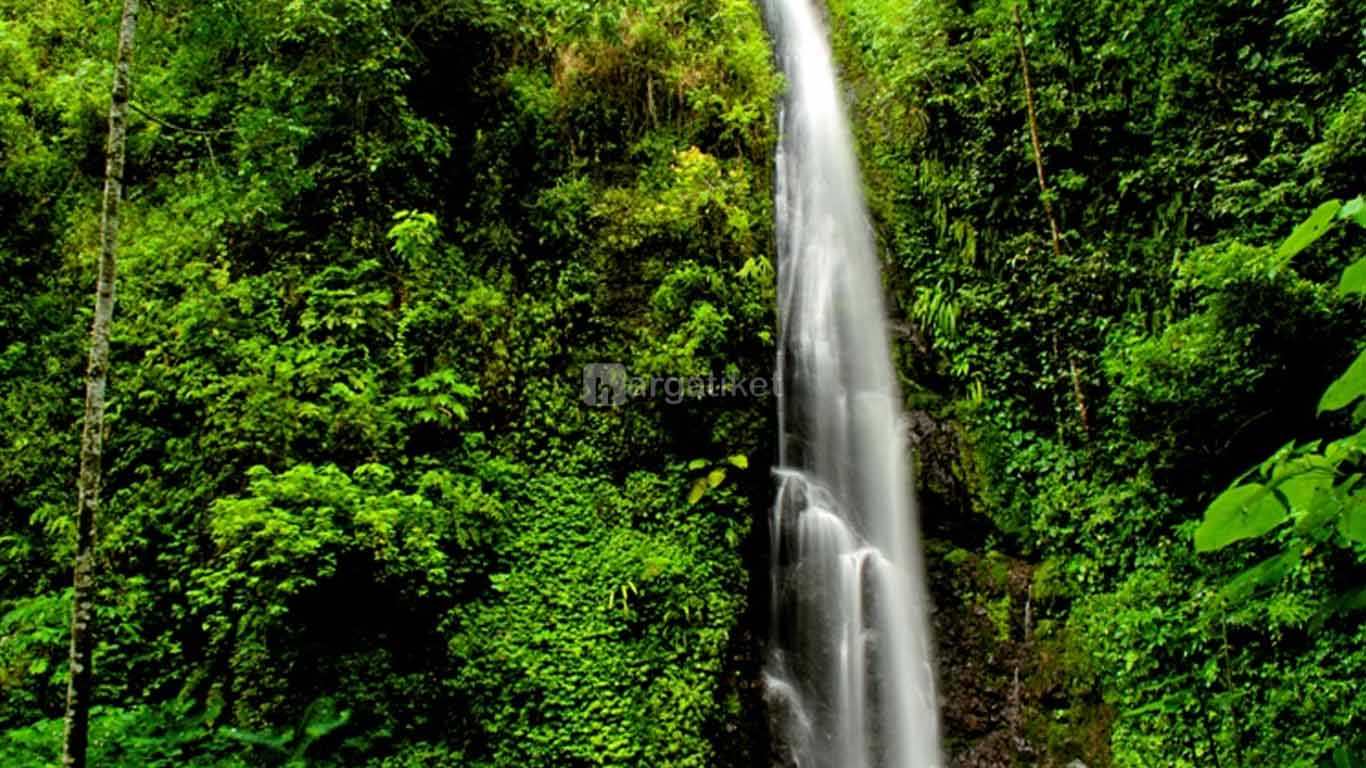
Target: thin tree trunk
{"x":77,"y":735}
{"x":1034,"y":133}
{"x":1083,"y":412}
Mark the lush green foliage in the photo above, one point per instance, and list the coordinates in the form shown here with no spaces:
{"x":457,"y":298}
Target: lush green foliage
{"x":1177,"y":139}
{"x":356,"y":512}
{"x":1313,"y":483}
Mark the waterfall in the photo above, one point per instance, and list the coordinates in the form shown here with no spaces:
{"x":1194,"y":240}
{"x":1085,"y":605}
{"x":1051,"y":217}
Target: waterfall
{"x":849,"y":675}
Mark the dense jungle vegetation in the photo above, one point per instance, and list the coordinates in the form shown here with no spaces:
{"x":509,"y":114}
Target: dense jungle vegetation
{"x":356,"y":513}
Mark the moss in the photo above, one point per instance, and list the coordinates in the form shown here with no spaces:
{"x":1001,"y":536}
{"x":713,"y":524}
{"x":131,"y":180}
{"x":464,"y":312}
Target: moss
{"x":1049,"y":580}
{"x":999,"y":611}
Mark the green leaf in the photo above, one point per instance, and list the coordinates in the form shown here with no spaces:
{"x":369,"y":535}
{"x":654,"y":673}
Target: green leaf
{"x":1348,"y":387}
{"x":1353,"y":522}
{"x":1316,"y":522}
{"x":1346,"y":448}
{"x":1353,"y":279}
{"x":1309,"y":230}
{"x":696,"y":464}
{"x":1268,"y":467}
{"x":699,"y":488}
{"x":1344,"y":759}
{"x":1241,"y":512}
{"x":739,"y":460}
{"x":1354,"y":209}
{"x":1263,"y":574}
{"x":716,"y":477}
{"x":1299,"y":481}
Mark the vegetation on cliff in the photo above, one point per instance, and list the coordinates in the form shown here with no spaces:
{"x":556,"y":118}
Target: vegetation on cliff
{"x":1109,"y":388}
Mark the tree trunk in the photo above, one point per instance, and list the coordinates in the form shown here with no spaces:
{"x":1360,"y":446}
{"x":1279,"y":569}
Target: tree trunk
{"x":1034,"y":133}
{"x":77,"y":737}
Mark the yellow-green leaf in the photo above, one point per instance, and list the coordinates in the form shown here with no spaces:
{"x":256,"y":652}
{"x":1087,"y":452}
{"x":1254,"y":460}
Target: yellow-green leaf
{"x":1354,"y":209}
{"x":699,"y":488}
{"x":1353,"y":279}
{"x":1348,"y":387}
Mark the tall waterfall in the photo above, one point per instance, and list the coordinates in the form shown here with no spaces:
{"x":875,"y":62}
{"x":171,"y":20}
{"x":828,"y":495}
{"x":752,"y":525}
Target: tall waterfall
{"x":849,"y":675}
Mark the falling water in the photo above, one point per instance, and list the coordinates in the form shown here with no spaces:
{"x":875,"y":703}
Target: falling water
{"x":849,"y":676}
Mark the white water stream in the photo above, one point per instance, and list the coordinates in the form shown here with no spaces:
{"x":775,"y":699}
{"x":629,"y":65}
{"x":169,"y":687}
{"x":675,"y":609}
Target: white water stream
{"x":849,"y":674}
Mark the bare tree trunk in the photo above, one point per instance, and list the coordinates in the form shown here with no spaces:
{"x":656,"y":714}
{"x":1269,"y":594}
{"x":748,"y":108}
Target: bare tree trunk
{"x":1034,"y":133}
{"x":77,"y":737}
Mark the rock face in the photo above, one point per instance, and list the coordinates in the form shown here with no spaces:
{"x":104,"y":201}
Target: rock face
{"x":1014,"y":690}
{"x":937,"y":450}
